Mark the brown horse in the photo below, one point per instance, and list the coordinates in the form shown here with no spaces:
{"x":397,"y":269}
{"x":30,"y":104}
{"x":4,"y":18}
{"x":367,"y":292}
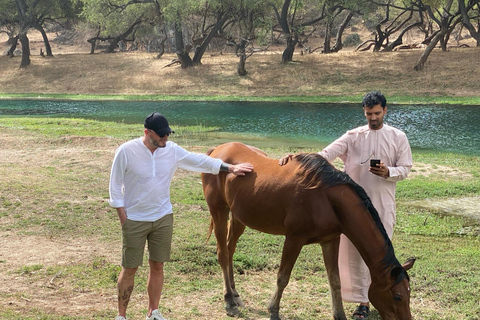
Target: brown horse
{"x":308,"y":201}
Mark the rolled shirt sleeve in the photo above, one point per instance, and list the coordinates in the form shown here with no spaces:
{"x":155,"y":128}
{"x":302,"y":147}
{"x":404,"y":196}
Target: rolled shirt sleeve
{"x":116,"y":186}
{"x":197,"y":162}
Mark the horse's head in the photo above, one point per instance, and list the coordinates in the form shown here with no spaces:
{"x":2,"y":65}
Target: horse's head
{"x":391,"y":296}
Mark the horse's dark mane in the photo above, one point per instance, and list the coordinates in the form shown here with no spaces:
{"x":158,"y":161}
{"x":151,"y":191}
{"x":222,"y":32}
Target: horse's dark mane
{"x":319,"y":172}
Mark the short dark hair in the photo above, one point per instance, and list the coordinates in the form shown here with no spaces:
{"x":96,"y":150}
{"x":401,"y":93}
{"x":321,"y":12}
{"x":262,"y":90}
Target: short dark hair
{"x":373,"y":98}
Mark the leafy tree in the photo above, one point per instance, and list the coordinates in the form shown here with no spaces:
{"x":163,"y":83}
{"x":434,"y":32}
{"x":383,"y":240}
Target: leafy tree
{"x":249,"y":17}
{"x":470,"y":11}
{"x":117,"y":20}
{"x":8,"y":22}
{"x":204,"y":20}
{"x":33,"y":14}
{"x":293,"y":17}
{"x":446,"y":18}
{"x":338,"y":42}
{"x":395,"y":19}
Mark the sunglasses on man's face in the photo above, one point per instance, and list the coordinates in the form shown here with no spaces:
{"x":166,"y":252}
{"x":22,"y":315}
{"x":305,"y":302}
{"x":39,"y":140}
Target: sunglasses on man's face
{"x":168,"y":134}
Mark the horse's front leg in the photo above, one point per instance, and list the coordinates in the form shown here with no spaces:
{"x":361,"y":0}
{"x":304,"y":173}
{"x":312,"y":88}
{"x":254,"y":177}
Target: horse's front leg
{"x":330,"y":257}
{"x":291,"y":250}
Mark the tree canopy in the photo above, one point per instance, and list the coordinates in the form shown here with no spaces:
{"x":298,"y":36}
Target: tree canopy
{"x":190,"y":27}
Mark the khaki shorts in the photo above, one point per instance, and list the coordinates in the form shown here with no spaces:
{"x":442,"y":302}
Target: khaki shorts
{"x":136,"y":233}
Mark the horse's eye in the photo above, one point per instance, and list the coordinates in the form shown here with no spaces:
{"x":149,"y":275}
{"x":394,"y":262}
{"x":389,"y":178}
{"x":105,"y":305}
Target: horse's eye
{"x":397,"y":297}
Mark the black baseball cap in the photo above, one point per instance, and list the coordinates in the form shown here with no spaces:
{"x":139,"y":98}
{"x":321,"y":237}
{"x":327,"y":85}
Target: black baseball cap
{"x":158,"y":123}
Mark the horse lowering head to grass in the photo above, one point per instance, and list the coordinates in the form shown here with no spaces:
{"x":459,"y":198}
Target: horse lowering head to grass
{"x":308,"y":201}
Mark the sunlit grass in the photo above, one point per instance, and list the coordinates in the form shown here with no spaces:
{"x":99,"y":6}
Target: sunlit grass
{"x":56,"y":127}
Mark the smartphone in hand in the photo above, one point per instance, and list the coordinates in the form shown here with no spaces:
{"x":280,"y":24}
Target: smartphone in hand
{"x":374,"y":162}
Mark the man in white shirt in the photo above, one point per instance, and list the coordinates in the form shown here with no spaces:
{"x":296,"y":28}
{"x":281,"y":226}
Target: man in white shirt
{"x":374,"y":141}
{"x":140,"y":179}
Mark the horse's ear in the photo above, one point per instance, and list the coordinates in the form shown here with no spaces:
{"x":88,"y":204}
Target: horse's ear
{"x":408,"y":264}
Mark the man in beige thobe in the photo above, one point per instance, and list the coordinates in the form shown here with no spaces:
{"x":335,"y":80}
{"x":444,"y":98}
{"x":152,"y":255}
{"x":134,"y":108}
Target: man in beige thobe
{"x":356,"y":148}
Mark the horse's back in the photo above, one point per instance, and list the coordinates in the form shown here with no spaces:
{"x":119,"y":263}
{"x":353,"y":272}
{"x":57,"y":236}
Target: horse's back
{"x":261,"y":198}
{"x":236,"y":152}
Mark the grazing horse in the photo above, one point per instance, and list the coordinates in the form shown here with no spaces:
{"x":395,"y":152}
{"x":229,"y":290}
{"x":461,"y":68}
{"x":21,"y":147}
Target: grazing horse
{"x":308,"y":201}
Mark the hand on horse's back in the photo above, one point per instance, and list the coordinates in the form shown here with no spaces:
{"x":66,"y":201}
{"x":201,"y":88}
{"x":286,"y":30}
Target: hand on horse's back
{"x":283,"y":160}
{"x":242,"y":168}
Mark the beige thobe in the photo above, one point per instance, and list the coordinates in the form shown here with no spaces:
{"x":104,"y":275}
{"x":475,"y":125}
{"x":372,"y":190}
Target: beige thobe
{"x":356,"y":148}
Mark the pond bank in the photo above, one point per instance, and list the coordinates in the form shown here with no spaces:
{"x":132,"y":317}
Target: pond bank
{"x":404,"y":99}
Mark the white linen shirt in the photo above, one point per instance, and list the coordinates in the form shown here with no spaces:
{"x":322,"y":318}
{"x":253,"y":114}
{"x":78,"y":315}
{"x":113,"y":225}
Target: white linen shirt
{"x":140,"y":180}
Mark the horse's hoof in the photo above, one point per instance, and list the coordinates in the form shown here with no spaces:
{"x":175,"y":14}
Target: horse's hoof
{"x":238,"y":302}
{"x":232,"y":311}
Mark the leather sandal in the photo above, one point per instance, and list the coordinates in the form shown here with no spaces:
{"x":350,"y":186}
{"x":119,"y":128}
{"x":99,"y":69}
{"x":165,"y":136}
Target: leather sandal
{"x":361,"y":313}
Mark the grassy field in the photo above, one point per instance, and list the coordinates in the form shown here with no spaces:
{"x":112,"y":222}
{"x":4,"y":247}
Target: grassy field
{"x":61,"y":242}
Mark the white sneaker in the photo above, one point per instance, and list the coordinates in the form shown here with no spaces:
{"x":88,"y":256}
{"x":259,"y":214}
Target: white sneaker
{"x":156,"y":315}
{"x":120,"y":318}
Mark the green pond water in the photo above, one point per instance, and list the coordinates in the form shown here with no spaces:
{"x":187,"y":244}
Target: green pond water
{"x":433,"y":127}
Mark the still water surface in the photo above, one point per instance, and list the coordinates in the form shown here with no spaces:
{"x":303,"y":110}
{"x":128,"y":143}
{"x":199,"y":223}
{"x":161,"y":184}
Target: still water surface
{"x":439,"y":127}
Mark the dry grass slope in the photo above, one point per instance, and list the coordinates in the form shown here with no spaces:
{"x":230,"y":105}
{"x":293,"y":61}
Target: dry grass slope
{"x":72,"y":70}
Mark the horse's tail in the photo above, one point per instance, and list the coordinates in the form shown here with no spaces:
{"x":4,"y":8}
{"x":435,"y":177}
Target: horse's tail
{"x":210,"y":229}
{"x":209,"y":152}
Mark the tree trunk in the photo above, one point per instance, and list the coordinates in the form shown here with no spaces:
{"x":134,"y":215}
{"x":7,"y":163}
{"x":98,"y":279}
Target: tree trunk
{"x":379,"y":38}
{"x":328,"y":38}
{"x":25,"y":49}
{"x":200,"y":50}
{"x":48,"y":48}
{"x":13,"y":47}
{"x":241,"y":71}
{"x":93,"y":43}
{"x":338,"y":42}
{"x":443,"y":42}
{"x":114,"y":42}
{"x":420,"y":65}
{"x":399,"y":39}
{"x":182,"y":52}
{"x":292,"y":41}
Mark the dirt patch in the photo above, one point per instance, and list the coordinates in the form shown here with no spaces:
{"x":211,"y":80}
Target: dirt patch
{"x":466,"y":206}
{"x":52,"y":294}
{"x":427,"y":169}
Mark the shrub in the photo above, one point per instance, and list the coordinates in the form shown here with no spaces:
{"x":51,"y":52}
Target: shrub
{"x":352,"y":40}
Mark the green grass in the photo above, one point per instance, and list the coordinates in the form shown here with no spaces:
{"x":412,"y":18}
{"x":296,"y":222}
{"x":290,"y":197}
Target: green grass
{"x":65,"y":200}
{"x":55,"y":127}
{"x":307,"y":99}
